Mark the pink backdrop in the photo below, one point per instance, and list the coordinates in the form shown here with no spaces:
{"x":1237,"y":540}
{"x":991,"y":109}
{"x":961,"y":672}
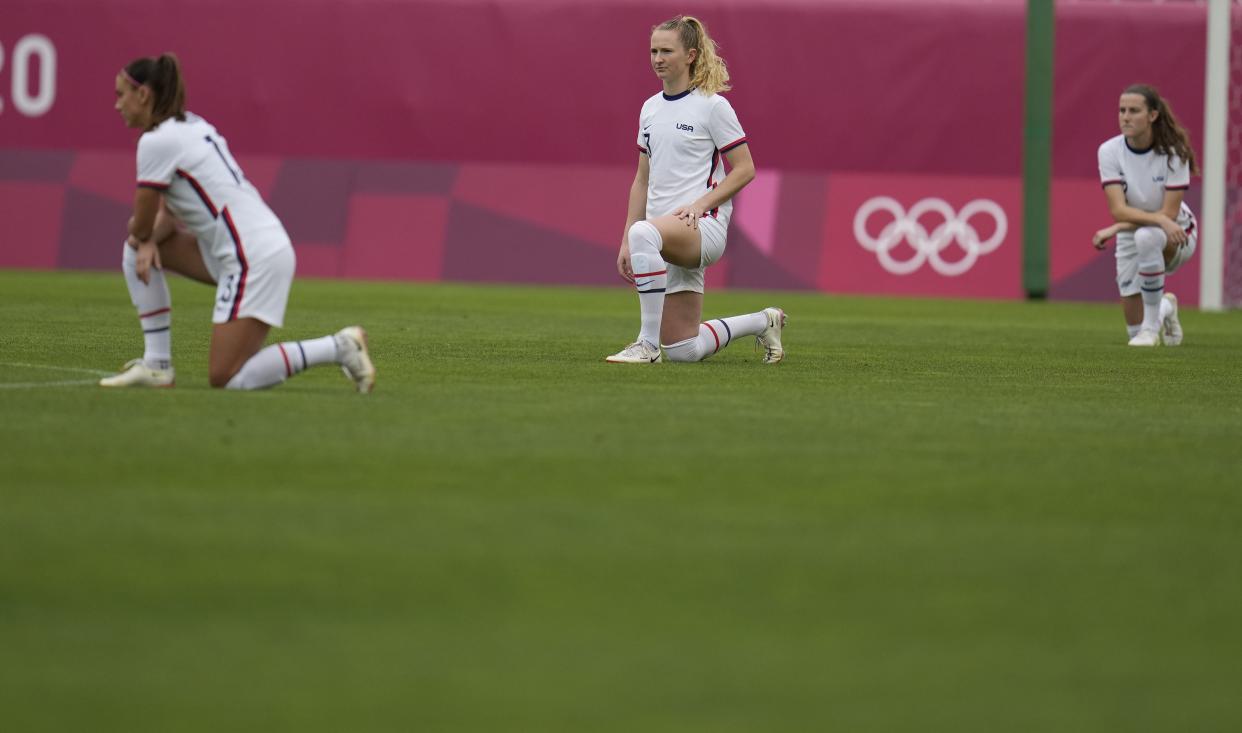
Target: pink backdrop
{"x":474,"y":140}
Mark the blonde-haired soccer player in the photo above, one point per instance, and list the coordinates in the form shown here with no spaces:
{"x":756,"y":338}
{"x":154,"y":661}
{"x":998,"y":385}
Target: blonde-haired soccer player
{"x":1145,"y":172}
{"x":195,"y":213}
{"x":681,"y":201}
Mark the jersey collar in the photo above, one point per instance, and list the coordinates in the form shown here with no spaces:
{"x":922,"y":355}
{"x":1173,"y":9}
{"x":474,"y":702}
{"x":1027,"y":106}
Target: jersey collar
{"x":675,"y":97}
{"x":1136,"y":151}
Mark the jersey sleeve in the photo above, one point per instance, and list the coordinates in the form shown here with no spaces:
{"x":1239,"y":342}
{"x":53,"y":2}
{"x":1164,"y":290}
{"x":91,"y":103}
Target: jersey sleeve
{"x":157,"y":161}
{"x":724,"y":127}
{"x":1110,"y":166}
{"x":1179,"y":175}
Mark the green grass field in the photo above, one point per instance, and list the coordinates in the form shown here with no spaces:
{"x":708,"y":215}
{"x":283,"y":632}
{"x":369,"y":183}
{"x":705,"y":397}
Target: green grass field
{"x":933,"y":516}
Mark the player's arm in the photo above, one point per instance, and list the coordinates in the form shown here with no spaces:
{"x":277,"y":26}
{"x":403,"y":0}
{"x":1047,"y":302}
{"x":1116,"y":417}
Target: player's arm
{"x":147,"y":204}
{"x":637,"y":211}
{"x":1101,"y":237}
{"x":1123,"y":213}
{"x":741,"y":172}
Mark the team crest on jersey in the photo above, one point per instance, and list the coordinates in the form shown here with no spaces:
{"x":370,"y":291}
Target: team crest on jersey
{"x":684,"y":126}
{"x":1157,"y":179}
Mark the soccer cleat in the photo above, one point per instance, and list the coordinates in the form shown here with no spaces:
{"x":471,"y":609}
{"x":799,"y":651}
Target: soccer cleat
{"x":355,"y":360}
{"x":1146,"y":337}
{"x":136,"y":373}
{"x":639,"y":352}
{"x":1171,"y":327}
{"x":770,"y":339}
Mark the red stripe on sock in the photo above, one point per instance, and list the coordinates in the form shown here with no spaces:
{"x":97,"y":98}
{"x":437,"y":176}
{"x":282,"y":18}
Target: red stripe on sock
{"x":283,"y":355}
{"x":1150,"y":274}
{"x":154,"y":313}
{"x":714,"y":335}
{"x":649,"y":274}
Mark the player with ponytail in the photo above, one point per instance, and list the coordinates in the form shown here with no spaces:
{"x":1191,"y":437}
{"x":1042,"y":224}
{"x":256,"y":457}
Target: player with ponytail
{"x":196,"y":214}
{"x":678,"y":218}
{"x":1145,"y":172}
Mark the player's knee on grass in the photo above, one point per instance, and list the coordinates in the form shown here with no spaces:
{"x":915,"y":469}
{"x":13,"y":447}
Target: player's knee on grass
{"x":689,"y":350}
{"x":219,"y":377}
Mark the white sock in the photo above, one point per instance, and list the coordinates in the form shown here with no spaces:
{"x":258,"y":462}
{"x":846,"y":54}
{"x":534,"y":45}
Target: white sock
{"x":276,"y":363}
{"x":1150,"y":242}
{"x":1132,"y":331}
{"x":1166,"y":309}
{"x":154,"y":306}
{"x":650,"y":278}
{"x":714,"y":335}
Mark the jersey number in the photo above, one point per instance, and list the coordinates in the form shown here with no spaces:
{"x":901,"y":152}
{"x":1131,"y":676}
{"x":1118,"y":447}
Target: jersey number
{"x":232,"y":167}
{"x":226,"y":292}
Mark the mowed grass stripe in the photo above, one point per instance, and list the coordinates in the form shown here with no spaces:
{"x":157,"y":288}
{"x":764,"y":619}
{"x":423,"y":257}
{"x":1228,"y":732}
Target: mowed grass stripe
{"x":934,"y":515}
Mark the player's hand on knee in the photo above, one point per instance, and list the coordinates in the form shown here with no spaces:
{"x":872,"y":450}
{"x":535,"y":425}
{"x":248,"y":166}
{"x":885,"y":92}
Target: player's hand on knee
{"x":623,"y":264}
{"x":1176,"y":235}
{"x":690,"y":215}
{"x":148,"y":256}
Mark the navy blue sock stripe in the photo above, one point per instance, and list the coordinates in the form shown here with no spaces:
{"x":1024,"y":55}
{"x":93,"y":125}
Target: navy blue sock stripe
{"x":1152,"y":290}
{"x":653,"y":290}
{"x":303,"y":353}
{"x":728,"y":331}
{"x":155,"y":330}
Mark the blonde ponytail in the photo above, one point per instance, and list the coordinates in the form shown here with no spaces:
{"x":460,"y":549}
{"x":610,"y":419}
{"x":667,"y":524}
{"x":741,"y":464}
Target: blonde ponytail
{"x":708,"y":73}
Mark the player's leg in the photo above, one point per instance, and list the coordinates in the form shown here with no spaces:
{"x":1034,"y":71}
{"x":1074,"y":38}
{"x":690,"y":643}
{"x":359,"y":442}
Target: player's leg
{"x":1132,"y":310}
{"x":179,"y":252}
{"x":713,"y":335}
{"x":1174,"y":257}
{"x":1128,"y":285}
{"x":1150,"y":243}
{"x":248,"y":304}
{"x":685,"y":338}
{"x":653,"y":244}
{"x":233,"y":345}
{"x":153,"y":303}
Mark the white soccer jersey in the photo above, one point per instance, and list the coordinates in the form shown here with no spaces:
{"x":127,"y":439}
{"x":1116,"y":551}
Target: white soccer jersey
{"x":685,"y":137}
{"x":189,"y":162}
{"x":1144,"y":175}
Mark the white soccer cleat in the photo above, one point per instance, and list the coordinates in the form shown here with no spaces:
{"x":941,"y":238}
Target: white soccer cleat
{"x":770,"y":339}
{"x":1146,"y":337}
{"x":1171,"y":327}
{"x":136,"y":373}
{"x":355,"y":360}
{"x":639,"y":352}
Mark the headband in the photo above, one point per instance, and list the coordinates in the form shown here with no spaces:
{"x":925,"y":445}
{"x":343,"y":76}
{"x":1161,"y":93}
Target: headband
{"x":130,"y":79}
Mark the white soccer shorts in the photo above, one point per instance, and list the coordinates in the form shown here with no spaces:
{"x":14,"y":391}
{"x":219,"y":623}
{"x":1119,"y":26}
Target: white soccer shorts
{"x":711,"y":246}
{"x":261,"y":291}
{"x":1127,"y":261}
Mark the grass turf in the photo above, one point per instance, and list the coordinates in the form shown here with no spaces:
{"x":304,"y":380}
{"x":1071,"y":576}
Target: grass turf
{"x":935,"y":515}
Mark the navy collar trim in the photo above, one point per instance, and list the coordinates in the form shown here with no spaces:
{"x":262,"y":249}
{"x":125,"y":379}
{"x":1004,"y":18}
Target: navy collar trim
{"x":1135,"y":150}
{"x":675,"y":97}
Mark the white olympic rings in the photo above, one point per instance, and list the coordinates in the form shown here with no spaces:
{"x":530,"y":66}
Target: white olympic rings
{"x":928,"y":246}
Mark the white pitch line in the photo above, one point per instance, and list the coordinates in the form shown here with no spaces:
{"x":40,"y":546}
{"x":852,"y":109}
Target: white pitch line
{"x":51,"y":367}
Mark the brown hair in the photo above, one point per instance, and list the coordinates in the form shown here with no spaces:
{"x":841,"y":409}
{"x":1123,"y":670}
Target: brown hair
{"x":708,"y":73}
{"x":162,"y":75}
{"x":1168,"y":137}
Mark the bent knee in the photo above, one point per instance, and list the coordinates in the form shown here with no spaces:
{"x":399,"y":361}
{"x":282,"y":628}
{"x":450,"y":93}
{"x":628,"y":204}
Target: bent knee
{"x":1150,"y":238}
{"x":220,"y":378}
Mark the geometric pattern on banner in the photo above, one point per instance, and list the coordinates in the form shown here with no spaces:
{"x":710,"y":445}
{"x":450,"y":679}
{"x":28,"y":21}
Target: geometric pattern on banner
{"x":486,"y":246}
{"x":583,"y":202}
{"x":92,"y":231}
{"x":426,"y":221}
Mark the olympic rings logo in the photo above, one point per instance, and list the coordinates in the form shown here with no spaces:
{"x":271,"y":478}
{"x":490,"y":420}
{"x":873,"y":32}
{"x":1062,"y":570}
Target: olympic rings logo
{"x":928,"y":246}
